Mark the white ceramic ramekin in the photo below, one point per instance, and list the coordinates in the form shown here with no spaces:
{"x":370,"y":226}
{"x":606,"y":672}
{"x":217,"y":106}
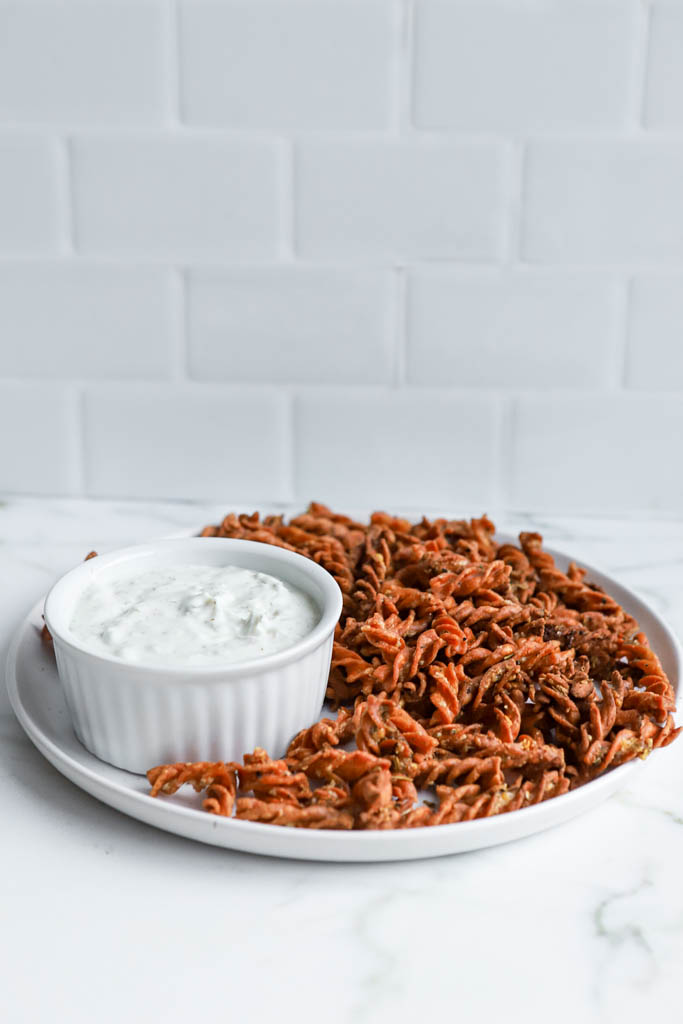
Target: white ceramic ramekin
{"x":136,"y":716}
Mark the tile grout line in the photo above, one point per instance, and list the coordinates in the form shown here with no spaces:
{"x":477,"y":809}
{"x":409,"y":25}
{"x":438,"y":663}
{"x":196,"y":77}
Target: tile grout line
{"x":512,"y":241}
{"x":68,"y":197}
{"x":142,"y":258}
{"x":618,"y":377}
{"x":173,"y":64}
{"x":640,"y":69}
{"x":288,"y":193}
{"x":506,"y":424}
{"x":180,"y":336}
{"x":289,"y":455}
{"x":78,"y":426}
{"x":400,"y":328}
{"x":404,"y":69}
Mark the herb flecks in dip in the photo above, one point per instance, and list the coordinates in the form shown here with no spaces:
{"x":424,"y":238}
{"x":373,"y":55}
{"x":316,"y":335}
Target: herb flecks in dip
{"x":191,"y":615}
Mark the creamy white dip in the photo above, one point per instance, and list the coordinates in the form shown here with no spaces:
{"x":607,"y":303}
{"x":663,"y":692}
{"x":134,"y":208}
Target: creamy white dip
{"x":191,"y":615}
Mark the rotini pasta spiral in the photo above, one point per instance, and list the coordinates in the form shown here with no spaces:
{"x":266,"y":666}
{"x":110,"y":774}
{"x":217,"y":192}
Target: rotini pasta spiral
{"x":478,"y":671}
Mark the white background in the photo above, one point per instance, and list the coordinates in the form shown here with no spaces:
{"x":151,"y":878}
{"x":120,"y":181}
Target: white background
{"x":425,"y":253}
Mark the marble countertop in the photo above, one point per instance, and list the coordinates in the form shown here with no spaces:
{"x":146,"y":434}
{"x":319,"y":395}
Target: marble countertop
{"x":108,"y":920}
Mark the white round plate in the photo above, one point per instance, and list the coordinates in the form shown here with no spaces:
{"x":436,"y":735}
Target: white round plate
{"x":36,"y":696}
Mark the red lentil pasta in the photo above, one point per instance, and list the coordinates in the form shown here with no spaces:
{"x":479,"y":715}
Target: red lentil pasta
{"x":476,"y":671}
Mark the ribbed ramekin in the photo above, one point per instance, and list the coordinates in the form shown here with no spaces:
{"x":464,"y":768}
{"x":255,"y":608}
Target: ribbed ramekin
{"x":136,"y":716}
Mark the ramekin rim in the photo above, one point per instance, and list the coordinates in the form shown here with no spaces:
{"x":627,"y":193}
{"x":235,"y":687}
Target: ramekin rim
{"x":331,"y":610}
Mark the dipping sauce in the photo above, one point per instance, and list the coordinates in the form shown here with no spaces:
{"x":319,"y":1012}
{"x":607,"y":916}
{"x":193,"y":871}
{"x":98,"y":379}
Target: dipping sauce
{"x":192,"y":615}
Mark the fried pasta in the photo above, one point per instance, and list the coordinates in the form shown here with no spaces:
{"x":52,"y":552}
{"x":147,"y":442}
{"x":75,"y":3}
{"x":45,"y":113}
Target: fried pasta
{"x":477,"y":674}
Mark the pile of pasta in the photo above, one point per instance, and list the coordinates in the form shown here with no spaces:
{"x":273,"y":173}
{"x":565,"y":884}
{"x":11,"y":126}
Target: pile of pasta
{"x":474,"y":674}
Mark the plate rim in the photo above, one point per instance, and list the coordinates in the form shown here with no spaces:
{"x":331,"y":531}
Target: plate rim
{"x":392,"y":844}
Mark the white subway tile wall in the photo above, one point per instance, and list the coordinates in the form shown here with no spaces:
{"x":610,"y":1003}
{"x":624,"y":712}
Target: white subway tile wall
{"x":664,"y":97}
{"x":67,"y":320}
{"x":399,"y":200}
{"x":173,"y":196}
{"x":525,"y":66}
{"x":395,"y":447}
{"x":411,"y":253}
{"x":31,"y":194}
{"x":82,"y":63}
{"x":299,"y":66}
{"x":655,"y":340}
{"x":566,"y":459}
{"x":612,"y":201}
{"x":291,"y":325}
{"x":510,"y":329}
{"x":188,"y":442}
{"x":39,"y":438}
